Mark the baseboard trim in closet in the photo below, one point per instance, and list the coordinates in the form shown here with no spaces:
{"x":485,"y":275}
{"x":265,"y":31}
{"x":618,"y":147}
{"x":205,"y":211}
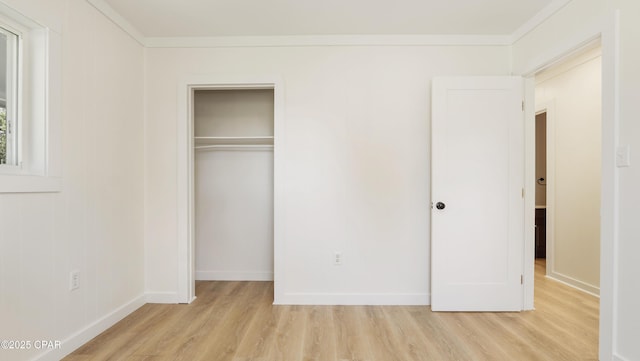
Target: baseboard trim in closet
{"x":233,"y":276}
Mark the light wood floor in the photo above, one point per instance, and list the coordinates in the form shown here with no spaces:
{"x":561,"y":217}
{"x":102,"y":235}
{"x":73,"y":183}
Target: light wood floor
{"x":236,"y":321}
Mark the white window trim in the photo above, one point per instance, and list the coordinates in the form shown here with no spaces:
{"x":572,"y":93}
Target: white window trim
{"x":39,"y":100}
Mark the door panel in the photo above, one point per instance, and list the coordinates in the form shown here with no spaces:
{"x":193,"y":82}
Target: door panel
{"x":477,"y":173}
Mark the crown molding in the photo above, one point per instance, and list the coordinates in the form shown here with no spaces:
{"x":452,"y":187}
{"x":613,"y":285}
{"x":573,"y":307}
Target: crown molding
{"x":326,"y":40}
{"x":117,"y":19}
{"x":538,"y":19}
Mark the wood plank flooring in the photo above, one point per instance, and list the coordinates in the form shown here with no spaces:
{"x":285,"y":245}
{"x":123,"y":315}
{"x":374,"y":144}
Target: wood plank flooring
{"x":236,"y":321}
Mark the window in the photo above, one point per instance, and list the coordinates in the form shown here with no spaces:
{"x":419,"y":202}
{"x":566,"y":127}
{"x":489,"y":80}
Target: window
{"x":30,"y":79}
{"x":8,"y":97}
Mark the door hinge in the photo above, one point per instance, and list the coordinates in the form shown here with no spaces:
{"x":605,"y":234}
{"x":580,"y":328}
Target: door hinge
{"x":523,"y":105}
{"x":521,"y":279}
{"x":522,"y":192}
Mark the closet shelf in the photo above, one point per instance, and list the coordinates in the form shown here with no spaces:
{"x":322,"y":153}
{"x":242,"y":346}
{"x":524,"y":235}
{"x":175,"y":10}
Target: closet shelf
{"x":201,"y":142}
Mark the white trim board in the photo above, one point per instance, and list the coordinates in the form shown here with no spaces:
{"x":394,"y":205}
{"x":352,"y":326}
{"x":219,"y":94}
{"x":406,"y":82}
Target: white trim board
{"x":617,"y":357}
{"x":118,"y":20}
{"x":326,"y":40}
{"x":574,"y":283}
{"x":83,"y":336}
{"x":579,"y":57}
{"x":528,"y":264}
{"x":547,"y":12}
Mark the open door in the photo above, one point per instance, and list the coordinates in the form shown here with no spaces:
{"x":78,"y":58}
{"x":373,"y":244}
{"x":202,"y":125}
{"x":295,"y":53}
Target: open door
{"x":477,"y":180}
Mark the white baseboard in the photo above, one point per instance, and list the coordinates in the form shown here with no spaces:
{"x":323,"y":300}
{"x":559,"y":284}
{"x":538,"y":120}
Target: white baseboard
{"x":619,"y":358}
{"x":233,"y":276}
{"x":353,"y":299}
{"x":572,"y":282}
{"x":161,"y":297}
{"x":83,"y":336}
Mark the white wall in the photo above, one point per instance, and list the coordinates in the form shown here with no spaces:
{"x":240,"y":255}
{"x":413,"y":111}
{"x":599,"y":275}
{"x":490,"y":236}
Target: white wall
{"x":356,"y":160}
{"x":558,"y":34}
{"x":573,"y":93}
{"x":233,"y":113}
{"x":234,"y":215}
{"x":95,"y":224}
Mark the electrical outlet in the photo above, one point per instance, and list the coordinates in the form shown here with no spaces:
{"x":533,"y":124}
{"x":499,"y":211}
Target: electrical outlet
{"x":74,"y":280}
{"x":337,"y":258}
{"x":623,"y":156}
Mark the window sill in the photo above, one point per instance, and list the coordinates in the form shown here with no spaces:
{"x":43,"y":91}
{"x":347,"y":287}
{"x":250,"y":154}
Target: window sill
{"x":29,"y":184}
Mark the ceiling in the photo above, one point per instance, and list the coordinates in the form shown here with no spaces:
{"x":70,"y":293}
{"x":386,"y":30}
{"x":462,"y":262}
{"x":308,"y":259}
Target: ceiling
{"x":211,"y":18}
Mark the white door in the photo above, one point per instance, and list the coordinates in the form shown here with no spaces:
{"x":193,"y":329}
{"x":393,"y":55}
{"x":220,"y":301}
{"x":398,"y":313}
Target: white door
{"x":477,"y":168}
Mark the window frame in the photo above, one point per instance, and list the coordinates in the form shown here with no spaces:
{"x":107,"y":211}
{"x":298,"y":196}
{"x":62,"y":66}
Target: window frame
{"x":38,"y":126}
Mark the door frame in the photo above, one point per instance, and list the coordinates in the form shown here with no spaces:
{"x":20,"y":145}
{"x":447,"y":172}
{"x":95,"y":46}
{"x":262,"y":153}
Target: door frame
{"x":608,"y":34}
{"x":185,"y":179}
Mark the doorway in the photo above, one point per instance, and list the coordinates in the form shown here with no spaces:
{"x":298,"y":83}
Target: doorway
{"x":185,"y":182}
{"x":568,"y":169}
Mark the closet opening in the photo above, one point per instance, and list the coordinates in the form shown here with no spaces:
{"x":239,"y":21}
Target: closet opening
{"x":233,"y":184}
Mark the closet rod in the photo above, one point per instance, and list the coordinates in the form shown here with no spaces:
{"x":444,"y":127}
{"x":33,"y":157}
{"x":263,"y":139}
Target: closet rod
{"x":234,"y":146}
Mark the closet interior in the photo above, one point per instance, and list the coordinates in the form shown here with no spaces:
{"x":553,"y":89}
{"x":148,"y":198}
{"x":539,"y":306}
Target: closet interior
{"x":233,"y":193}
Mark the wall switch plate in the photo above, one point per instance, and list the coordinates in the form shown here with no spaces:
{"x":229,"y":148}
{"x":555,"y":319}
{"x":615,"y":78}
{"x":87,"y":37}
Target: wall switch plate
{"x":623,"y":155}
{"x":74,"y":281}
{"x":337,"y":258}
